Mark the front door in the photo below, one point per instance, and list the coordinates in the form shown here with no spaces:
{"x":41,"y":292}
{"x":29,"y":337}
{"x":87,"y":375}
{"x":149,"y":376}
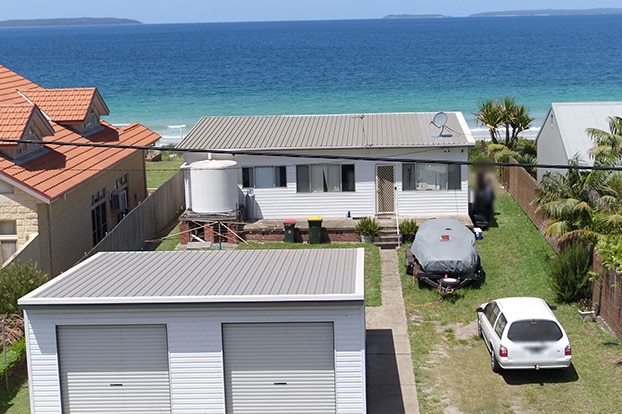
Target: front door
{"x":385,"y":189}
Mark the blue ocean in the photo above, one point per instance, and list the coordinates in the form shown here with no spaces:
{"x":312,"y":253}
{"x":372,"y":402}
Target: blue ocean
{"x":168,"y":76}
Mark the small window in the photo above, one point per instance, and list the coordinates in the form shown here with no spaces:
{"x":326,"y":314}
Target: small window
{"x":500,"y":326}
{"x":431,"y":177}
{"x":325,"y":178}
{"x":535,"y":330}
{"x":264,"y":177}
{"x":8,"y":239}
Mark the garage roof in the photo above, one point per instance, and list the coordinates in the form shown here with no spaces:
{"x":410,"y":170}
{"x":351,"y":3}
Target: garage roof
{"x":208,"y":277}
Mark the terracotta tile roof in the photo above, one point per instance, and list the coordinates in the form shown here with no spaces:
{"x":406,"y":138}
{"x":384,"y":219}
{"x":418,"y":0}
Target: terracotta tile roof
{"x":10,"y":83}
{"x":13,"y":121}
{"x":65,"y":167}
{"x":65,"y":105}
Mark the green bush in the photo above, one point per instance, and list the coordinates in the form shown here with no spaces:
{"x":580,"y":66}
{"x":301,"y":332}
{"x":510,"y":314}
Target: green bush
{"x":408,"y":229}
{"x":368,"y":226}
{"x":570,"y":273}
{"x":504,"y":155}
{"x":14,"y":355}
{"x":15,"y":282}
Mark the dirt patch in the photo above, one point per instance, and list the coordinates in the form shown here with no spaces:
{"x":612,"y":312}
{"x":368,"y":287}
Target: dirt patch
{"x":460,"y":330}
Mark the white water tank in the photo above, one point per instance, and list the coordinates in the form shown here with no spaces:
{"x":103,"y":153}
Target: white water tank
{"x":212,"y":186}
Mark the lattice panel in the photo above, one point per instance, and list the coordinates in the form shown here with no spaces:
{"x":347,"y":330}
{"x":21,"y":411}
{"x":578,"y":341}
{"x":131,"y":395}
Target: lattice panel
{"x":384,"y":187}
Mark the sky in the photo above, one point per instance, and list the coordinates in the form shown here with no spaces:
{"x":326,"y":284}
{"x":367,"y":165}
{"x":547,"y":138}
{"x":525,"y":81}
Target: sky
{"x":191,"y":11}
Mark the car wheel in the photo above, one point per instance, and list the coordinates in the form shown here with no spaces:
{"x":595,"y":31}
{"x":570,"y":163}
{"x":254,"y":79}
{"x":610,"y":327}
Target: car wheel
{"x":494,"y":364}
{"x":479,"y":330}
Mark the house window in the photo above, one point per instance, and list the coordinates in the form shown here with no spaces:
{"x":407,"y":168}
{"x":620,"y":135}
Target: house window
{"x":264,"y":177}
{"x":99,"y":218}
{"x":431,"y":177}
{"x":325,"y":178}
{"x":8,"y":239}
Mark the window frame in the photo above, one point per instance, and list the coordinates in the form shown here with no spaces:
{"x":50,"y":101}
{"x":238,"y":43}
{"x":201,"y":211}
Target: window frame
{"x":305,"y":174}
{"x":279,"y":176}
{"x":8,"y":238}
{"x":411,"y":180}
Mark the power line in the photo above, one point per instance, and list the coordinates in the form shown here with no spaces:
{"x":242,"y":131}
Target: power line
{"x":265,"y":153}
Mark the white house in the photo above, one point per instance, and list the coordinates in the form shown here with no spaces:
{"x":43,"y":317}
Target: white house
{"x":332,"y":165}
{"x":274,"y":331}
{"x":564,"y":132}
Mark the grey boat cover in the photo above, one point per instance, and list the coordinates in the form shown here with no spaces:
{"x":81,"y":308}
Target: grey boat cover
{"x":445,"y":246}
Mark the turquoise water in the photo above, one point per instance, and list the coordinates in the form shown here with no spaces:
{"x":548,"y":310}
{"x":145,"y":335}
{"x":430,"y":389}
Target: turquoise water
{"x":166,"y":76}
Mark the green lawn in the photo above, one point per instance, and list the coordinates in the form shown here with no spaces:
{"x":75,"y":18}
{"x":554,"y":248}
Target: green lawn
{"x":159,"y":172}
{"x":452,"y":365}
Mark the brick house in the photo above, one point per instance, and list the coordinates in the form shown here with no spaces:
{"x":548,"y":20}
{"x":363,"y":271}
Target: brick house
{"x":57,"y":200}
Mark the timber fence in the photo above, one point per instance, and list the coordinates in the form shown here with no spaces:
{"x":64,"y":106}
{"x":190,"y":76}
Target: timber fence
{"x":607,"y":289}
{"x":154,"y":215}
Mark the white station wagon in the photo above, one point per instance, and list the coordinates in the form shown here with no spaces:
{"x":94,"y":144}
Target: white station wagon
{"x":523,"y":333}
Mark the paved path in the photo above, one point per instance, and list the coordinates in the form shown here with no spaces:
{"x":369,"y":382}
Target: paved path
{"x":390,"y":378}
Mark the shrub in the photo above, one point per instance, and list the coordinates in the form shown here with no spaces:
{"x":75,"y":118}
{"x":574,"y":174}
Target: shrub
{"x":14,"y":355}
{"x":570,"y":273}
{"x":408,"y":229}
{"x":15,"y":282}
{"x":367,"y":226}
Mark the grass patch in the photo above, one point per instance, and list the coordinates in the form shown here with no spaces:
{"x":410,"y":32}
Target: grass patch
{"x":170,"y":241}
{"x":373,"y":271}
{"x":16,"y":399}
{"x":452,"y":365}
{"x":159,"y":172}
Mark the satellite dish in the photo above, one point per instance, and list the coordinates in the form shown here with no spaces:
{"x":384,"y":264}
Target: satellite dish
{"x":440,"y":121}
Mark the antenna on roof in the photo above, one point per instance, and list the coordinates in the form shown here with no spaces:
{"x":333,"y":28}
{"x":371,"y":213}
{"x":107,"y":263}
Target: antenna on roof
{"x":440,"y":121}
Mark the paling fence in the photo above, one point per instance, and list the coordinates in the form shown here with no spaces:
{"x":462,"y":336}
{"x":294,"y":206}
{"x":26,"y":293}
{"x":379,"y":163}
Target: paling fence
{"x":151,"y":217}
{"x":607,"y":290}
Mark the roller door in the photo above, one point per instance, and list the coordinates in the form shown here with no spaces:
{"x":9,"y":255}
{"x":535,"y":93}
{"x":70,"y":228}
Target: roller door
{"x":279,"y":368}
{"x":114,"y":369}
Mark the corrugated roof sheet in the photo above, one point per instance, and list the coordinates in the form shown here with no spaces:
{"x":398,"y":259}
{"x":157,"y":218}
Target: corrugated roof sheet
{"x":304,"y":132}
{"x":64,"y":167}
{"x":574,"y":118}
{"x":208,"y":277}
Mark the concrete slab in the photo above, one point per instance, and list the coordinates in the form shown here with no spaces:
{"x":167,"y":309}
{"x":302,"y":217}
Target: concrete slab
{"x":391,"y":384}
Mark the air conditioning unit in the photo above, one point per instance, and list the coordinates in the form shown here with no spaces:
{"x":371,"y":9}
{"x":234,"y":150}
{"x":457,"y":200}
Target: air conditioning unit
{"x":118,"y":200}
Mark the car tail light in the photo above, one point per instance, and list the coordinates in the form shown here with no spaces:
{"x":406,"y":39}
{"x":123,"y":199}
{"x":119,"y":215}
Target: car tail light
{"x":568,"y":350}
{"x":503,"y":352}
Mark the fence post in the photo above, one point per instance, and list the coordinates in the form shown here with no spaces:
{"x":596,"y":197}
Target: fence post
{"x":6,"y":372}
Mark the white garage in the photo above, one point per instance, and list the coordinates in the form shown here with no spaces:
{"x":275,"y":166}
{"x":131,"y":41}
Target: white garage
{"x":256,"y":331}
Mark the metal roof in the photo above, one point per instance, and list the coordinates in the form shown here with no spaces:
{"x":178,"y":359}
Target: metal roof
{"x":208,"y":277}
{"x":308,"y":132}
{"x":574,"y":118}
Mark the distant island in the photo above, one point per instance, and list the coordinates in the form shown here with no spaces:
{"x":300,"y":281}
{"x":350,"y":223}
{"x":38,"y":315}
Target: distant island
{"x":414,"y":16}
{"x":549,"y":12}
{"x":77,"y":21}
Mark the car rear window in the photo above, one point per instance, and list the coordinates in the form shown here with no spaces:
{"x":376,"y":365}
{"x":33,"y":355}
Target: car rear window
{"x":534,"y":330}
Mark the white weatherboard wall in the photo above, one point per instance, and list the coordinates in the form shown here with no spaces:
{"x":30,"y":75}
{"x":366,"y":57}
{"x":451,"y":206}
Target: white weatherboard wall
{"x":276,"y":203}
{"x":195,"y":348}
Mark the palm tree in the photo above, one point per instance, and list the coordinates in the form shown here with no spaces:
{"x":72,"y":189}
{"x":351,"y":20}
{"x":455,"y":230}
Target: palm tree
{"x":608,"y":143}
{"x":571,"y":201}
{"x":505,"y":112}
{"x":489,"y":115}
{"x":521,"y":121}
